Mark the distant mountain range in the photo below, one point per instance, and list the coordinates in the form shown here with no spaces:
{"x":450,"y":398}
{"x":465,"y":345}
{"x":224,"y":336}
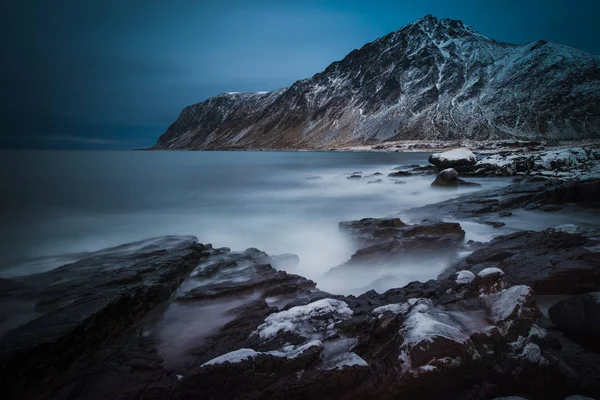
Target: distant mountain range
{"x":432,"y":79}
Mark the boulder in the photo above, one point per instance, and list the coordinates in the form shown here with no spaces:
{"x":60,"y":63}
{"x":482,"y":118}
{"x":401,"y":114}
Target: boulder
{"x":446,"y":178}
{"x":388,"y":240}
{"x":453,"y":158}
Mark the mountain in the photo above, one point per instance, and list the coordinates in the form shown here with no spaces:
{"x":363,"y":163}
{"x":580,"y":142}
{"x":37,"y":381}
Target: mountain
{"x":432,"y":79}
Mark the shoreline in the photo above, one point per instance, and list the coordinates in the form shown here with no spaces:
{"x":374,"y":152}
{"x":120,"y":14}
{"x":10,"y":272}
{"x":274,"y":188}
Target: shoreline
{"x":282,"y":328}
{"x":420,"y":146}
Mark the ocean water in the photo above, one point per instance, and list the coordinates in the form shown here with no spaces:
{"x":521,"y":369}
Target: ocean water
{"x":57,"y":204}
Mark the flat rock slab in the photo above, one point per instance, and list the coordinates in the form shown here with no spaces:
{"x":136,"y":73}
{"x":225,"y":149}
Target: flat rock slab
{"x":520,"y":194}
{"x":54,"y":318}
{"x":554,"y":261}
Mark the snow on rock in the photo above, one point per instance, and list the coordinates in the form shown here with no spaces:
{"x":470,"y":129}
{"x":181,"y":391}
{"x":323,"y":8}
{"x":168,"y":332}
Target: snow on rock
{"x":508,"y":303}
{"x":233,"y":357}
{"x":398,"y":308}
{"x":569,"y":163}
{"x":440,"y":336}
{"x":532,"y":353}
{"x":345,"y":360}
{"x":425,"y":322}
{"x":565,"y":158}
{"x":295,"y":351}
{"x":304,"y":320}
{"x":489,"y":271}
{"x":451,"y":158}
{"x":288,"y":352}
{"x":464,"y":277}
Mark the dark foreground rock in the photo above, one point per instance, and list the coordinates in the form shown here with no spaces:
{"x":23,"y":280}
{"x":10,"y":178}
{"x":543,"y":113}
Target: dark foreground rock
{"x":438,"y":339}
{"x":58,"y":317}
{"x":237,"y":328}
{"x":563,"y":260}
{"x":579,"y":318}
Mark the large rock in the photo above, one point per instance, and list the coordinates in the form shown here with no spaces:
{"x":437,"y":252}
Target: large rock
{"x":479,"y":204}
{"x":449,"y":178}
{"x":579,"y":318}
{"x":453,"y":158}
{"x":388,"y":240}
{"x":562,"y":260}
{"x":58,"y":317}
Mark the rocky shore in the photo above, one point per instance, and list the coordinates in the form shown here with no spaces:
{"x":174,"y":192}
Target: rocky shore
{"x":170,"y":318}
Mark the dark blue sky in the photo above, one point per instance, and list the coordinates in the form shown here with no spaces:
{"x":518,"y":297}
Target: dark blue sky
{"x":116,"y":73}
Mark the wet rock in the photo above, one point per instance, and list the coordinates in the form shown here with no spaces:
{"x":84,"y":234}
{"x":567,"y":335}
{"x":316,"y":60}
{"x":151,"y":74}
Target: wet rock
{"x":313,"y":178}
{"x":376,"y":181}
{"x":554,"y":261}
{"x":83,"y":306}
{"x":525,"y":194}
{"x":477,"y":338}
{"x":400,"y":174}
{"x":505,"y":214}
{"x":371,"y":230}
{"x":579,"y":318}
{"x":447,"y":178}
{"x":387,"y":240}
{"x":354,"y":176}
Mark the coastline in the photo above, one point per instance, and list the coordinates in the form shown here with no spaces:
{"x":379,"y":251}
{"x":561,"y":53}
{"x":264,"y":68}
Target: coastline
{"x":282,"y":328}
{"x":419,"y":146}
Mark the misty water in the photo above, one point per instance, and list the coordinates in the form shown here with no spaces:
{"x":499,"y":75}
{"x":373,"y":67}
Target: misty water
{"x":58,"y":204}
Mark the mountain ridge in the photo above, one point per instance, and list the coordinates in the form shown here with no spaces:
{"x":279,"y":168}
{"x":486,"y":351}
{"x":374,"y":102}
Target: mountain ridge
{"x":431,"y":79}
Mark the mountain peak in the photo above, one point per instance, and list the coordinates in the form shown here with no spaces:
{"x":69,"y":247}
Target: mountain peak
{"x":431,"y":25}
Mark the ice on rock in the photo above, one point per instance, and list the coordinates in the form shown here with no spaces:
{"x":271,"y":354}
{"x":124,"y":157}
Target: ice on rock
{"x":398,"y":308}
{"x":295,"y":351}
{"x":532,"y":353}
{"x":425,"y":322}
{"x":347,"y":360}
{"x":489,"y":271}
{"x":302,"y":319}
{"x":502,"y":305}
{"x":240,"y":355}
{"x":464,"y":277}
{"x":233,"y":357}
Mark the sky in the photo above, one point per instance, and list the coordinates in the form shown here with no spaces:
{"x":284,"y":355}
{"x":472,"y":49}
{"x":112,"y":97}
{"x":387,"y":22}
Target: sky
{"x":113,"y":74}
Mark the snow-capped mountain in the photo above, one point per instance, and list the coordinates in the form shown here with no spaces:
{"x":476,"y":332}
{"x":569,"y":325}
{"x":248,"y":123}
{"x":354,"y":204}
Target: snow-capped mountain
{"x":432,"y":79}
